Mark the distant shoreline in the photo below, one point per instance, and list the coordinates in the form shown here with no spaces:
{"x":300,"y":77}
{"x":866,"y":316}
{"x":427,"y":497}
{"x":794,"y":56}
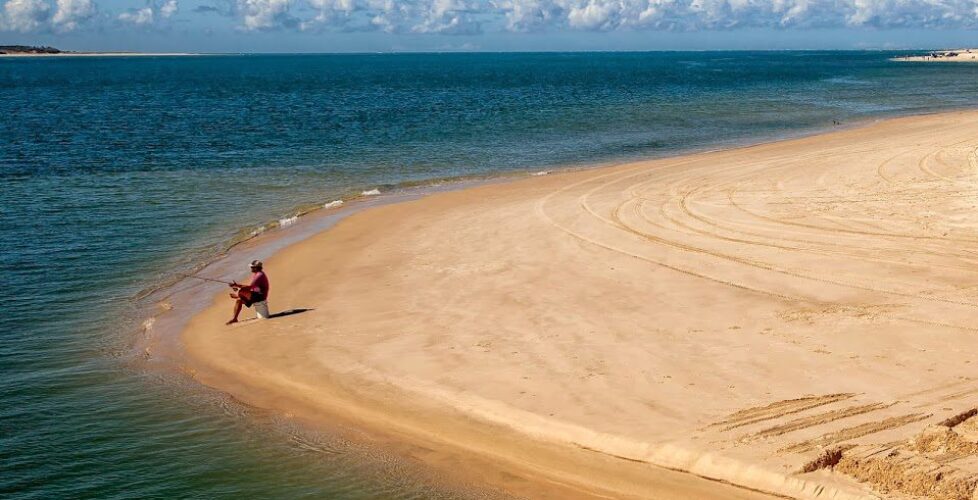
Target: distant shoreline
{"x":100,"y":54}
{"x":955,"y":55}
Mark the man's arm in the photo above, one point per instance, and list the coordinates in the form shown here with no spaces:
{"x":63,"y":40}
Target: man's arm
{"x":254,"y":282}
{"x":234,"y":284}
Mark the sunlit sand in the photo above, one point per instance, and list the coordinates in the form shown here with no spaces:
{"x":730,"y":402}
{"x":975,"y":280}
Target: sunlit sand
{"x":795,"y":318}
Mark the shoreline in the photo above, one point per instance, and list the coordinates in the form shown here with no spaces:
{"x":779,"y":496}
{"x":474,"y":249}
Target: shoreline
{"x":158,"y":348}
{"x":308,"y":219}
{"x":423,"y":187}
{"x":102,"y":54}
{"x":967,"y":55}
{"x":225,"y":374}
{"x":406,"y":434}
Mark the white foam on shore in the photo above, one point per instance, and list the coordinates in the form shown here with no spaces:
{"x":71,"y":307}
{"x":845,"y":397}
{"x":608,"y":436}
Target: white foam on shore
{"x":332,"y":204}
{"x":542,"y":172}
{"x":288,"y":221}
{"x":372,"y":192}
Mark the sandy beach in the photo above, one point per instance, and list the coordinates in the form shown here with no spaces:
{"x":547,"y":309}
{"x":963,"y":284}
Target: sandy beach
{"x":791,"y":318}
{"x":958,"y":55}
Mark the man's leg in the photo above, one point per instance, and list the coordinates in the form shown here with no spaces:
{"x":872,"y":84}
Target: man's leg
{"x":237,"y":311}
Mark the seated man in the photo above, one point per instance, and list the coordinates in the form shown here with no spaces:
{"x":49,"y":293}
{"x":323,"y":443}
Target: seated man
{"x":255,"y":292}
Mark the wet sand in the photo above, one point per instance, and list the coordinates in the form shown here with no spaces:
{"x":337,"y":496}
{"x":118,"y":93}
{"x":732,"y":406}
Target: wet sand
{"x":791,"y":317}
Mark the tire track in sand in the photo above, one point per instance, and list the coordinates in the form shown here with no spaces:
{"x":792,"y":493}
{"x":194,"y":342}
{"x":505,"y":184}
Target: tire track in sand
{"x":777,"y":409}
{"x":850,"y":433}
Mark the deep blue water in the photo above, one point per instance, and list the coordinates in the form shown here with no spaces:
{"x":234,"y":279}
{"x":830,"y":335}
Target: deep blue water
{"x":115,"y":171}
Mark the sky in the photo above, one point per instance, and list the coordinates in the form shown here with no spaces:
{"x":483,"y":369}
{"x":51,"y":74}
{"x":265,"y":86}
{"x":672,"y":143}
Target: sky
{"x":486,"y":25}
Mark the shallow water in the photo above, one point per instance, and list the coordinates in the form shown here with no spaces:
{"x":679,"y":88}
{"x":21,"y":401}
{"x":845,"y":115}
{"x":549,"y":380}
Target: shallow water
{"x":117,"y":171}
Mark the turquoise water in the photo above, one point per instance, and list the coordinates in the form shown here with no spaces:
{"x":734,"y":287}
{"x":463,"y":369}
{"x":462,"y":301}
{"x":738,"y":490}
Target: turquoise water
{"x":116,"y":171}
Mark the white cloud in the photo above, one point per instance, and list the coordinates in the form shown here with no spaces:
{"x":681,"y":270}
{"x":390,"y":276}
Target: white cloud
{"x":596,"y":14}
{"x":71,"y":13}
{"x":527,"y":15}
{"x":152,"y":14}
{"x":138,"y":17}
{"x":328,"y":10}
{"x":448,"y":17}
{"x":266,"y":14}
{"x":522,"y":15}
{"x":169,"y":8}
{"x":471,"y":16}
{"x":418,"y":16}
{"x":468,"y":17}
{"x":25,"y":15}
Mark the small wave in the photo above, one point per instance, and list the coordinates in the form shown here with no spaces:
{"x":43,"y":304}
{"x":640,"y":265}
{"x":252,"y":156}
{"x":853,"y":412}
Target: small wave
{"x":847,"y":80}
{"x":307,"y":445}
{"x":248,"y":233}
{"x":542,"y":172}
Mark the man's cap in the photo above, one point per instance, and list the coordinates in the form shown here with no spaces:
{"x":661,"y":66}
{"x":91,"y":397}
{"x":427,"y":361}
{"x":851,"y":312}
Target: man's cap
{"x":256,"y":263}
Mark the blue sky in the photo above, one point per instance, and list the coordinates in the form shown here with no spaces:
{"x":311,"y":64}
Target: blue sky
{"x":495,"y":25}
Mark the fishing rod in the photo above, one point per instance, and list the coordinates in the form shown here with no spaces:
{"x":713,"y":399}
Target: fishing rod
{"x":206,"y":279}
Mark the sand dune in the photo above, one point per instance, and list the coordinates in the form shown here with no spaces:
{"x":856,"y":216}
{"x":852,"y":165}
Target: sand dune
{"x":788,"y":317}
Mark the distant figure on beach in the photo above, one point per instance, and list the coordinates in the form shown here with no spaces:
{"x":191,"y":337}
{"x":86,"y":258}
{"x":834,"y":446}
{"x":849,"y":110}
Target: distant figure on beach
{"x":254,"y":293}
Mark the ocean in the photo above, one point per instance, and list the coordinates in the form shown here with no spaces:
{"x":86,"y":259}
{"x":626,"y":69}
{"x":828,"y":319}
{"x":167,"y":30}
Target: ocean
{"x":118,"y":173}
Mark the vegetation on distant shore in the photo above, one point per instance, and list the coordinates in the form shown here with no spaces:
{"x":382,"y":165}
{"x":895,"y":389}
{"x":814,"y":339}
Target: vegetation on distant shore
{"x":27,"y":49}
{"x":946,"y":53}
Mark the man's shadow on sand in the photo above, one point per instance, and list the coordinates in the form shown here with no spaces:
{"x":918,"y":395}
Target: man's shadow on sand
{"x":289,"y":312}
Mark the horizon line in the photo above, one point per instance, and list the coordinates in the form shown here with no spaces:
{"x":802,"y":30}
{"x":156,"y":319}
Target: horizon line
{"x":476,"y":51}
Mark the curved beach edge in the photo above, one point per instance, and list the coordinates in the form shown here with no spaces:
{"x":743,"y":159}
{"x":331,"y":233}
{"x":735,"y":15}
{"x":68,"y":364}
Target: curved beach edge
{"x":518,"y":452}
{"x":662,"y":328}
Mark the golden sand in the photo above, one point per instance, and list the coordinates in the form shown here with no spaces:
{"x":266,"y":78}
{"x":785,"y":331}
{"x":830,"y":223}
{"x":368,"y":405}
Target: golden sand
{"x":780,"y":317}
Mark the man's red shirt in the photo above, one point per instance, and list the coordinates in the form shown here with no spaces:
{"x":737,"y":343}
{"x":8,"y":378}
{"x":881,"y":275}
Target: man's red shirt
{"x":259,"y":283}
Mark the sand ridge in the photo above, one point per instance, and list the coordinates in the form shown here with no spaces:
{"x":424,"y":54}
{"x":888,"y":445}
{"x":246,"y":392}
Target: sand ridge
{"x":740,"y":314}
